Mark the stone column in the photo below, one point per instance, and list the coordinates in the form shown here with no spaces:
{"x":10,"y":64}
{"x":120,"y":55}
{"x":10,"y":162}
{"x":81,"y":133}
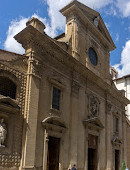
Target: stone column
{"x":45,"y":151}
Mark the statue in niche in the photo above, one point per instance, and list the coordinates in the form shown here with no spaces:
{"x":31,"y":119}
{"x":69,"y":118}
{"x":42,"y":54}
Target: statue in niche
{"x":3,"y":132}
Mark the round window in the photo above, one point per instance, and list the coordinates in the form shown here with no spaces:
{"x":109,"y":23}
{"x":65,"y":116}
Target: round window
{"x":93,"y":56}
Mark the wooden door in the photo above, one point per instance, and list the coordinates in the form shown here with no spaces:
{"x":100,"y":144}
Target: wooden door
{"x":117,"y":159}
{"x":92,"y":159}
{"x":53,"y":153}
{"x":92,"y":152}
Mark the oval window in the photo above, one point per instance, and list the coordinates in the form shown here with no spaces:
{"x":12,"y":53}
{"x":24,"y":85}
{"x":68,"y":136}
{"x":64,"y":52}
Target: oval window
{"x":93,"y":56}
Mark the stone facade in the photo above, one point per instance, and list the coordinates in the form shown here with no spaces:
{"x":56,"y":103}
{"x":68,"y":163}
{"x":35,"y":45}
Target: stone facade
{"x":67,"y":110}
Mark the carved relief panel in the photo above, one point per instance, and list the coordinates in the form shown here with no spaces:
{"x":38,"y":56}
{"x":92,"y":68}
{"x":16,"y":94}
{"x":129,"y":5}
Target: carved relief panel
{"x":93,"y":106}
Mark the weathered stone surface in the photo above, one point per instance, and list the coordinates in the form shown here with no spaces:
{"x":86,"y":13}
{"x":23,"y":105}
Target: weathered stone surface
{"x":89,"y":105}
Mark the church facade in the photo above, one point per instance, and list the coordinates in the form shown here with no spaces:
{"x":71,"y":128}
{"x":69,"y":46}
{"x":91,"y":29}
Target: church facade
{"x":58,"y":103}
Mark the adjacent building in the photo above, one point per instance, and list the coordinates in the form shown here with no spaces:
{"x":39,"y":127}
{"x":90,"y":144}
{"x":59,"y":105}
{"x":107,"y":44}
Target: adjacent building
{"x":123,"y":84}
{"x":58,"y":103}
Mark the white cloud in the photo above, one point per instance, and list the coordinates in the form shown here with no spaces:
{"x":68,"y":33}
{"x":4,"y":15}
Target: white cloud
{"x":15,"y":27}
{"x":111,"y":10}
{"x":107,"y":25}
{"x":124,"y":7}
{"x":117,"y":37}
{"x":129,"y":28}
{"x":125,"y":61}
{"x":56,"y":21}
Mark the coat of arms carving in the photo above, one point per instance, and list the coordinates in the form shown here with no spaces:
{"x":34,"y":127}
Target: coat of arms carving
{"x":93,"y":106}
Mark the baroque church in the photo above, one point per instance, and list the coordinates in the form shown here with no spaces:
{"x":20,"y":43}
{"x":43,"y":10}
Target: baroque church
{"x":58,"y":103}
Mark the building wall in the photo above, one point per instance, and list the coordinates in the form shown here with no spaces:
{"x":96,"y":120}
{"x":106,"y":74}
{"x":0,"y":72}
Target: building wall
{"x":128,"y":145}
{"x":89,"y":105}
{"x":124,"y":84}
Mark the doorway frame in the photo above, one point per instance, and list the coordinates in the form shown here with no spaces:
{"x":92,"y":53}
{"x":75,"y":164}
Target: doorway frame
{"x":93,"y":126}
{"x":116,"y":145}
{"x":115,"y":157}
{"x":97,"y":150}
{"x":54,"y":127}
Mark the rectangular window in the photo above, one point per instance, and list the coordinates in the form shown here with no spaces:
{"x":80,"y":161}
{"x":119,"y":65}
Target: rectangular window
{"x":56,"y":98}
{"x":116,"y":125}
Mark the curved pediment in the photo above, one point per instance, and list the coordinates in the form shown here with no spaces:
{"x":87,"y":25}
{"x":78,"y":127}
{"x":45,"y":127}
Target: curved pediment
{"x":7,"y":103}
{"x":54,"y":120}
{"x":93,"y":122}
{"x":54,"y":125}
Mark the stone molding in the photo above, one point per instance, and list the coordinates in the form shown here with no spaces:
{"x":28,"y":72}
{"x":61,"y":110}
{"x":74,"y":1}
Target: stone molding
{"x":35,"y":67}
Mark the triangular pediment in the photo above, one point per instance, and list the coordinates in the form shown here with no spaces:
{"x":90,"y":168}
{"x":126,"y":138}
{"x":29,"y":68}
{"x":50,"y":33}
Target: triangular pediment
{"x":95,"y":121}
{"x":88,"y":15}
{"x":116,"y":140}
{"x":91,"y":15}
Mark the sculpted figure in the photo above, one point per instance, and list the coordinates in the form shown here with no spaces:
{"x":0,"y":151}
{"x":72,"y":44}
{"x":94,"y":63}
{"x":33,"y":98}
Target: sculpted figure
{"x":96,"y":21}
{"x":3,"y":132}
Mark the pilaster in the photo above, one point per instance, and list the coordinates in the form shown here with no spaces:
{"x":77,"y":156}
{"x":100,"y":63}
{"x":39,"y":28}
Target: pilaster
{"x":31,"y":113}
{"x":74,"y":121}
{"x":33,"y":48}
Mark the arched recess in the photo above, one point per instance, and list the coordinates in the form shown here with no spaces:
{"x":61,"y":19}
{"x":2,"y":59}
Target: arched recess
{"x":9,"y":84}
{"x":54,"y":126}
{"x":7,"y":87}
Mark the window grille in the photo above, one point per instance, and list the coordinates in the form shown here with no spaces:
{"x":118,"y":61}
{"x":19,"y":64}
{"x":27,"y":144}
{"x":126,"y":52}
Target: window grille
{"x":7,"y":88}
{"x":56,"y":98}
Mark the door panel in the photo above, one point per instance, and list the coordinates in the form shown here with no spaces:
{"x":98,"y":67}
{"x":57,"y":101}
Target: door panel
{"x":92,"y":152}
{"x":117,"y":158}
{"x":53,"y":153}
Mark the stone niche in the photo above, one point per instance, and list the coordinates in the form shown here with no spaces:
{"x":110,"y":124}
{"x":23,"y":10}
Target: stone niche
{"x":11,"y":123}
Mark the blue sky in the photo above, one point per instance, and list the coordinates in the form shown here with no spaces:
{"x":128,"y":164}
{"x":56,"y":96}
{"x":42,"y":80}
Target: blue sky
{"x":116,"y":14}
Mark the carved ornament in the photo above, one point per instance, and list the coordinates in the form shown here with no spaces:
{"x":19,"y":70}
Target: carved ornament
{"x":36,"y":66}
{"x":94,"y":104}
{"x":3,"y":132}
